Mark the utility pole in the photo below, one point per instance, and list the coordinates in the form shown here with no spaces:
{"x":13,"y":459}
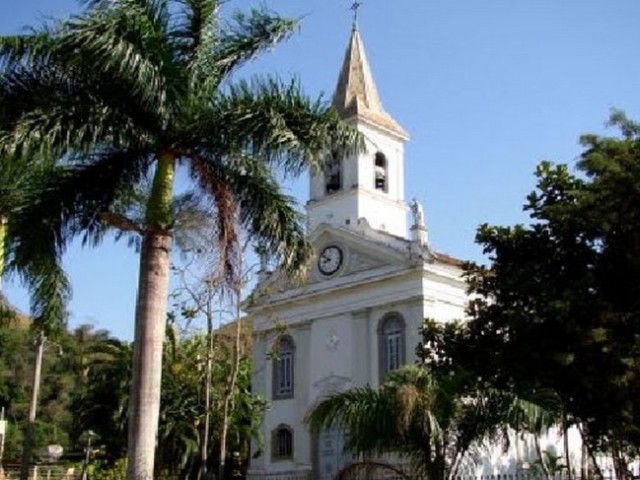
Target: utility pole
{"x":33,"y":406}
{"x":87,"y":456}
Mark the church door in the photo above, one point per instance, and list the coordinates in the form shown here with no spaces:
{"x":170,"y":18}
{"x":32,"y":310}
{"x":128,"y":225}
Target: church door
{"x":330,"y":458}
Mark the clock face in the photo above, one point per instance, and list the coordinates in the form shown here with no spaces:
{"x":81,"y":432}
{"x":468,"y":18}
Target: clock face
{"x":330,"y":260}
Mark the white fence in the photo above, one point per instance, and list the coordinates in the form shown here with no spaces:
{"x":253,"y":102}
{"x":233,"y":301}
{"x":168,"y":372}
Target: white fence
{"x":43,"y":472}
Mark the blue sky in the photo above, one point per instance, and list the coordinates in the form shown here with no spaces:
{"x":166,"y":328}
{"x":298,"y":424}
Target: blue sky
{"x":486,"y":90}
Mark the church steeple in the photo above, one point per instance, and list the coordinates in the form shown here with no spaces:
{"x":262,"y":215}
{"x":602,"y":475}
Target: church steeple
{"x":356,"y":95}
{"x":365,"y":187}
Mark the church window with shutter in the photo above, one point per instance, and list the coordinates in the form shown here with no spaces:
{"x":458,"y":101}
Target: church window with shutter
{"x":283,"y":368}
{"x":391,"y":335}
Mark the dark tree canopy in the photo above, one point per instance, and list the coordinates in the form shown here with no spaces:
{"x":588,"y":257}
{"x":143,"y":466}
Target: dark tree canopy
{"x":558,"y":306}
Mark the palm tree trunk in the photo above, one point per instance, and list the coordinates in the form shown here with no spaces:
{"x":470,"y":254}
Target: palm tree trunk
{"x":27,"y":447}
{"x":151,"y":313}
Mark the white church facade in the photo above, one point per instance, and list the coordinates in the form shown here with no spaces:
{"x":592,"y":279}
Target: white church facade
{"x":373,"y":280}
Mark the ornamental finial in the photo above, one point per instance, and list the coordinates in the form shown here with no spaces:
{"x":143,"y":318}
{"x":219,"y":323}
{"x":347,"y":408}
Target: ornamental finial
{"x":355,"y":6}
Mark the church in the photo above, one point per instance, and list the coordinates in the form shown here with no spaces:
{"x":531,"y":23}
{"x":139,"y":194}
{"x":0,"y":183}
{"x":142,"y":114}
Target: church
{"x":373,"y":280}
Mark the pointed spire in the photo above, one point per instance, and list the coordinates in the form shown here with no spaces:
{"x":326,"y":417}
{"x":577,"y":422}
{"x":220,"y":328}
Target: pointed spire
{"x":356,"y":94}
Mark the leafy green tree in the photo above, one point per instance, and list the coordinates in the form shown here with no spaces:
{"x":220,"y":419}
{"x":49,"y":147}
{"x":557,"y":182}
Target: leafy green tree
{"x":436,"y":351}
{"x":185,"y":411}
{"x":59,"y":383}
{"x":15,"y":356}
{"x":431,"y":420}
{"x":101,"y":404}
{"x":202,"y":296}
{"x":130,"y":88}
{"x":558,"y":305}
{"x":85,"y":384}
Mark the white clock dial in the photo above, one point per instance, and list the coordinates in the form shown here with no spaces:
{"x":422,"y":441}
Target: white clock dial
{"x":330,"y":260}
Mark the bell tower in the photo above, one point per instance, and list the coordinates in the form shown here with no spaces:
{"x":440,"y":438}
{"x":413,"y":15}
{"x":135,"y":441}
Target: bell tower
{"x":367,"y":186}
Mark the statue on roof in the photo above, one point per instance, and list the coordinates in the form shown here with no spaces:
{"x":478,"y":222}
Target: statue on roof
{"x":418,"y":214}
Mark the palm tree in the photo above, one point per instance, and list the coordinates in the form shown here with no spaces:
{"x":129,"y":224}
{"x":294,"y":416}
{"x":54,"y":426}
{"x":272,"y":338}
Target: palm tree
{"x":429,"y":420}
{"x":40,"y":271}
{"x":135,"y":88}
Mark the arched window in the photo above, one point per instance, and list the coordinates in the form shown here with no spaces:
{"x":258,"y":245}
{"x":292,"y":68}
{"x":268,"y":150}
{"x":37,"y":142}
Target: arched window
{"x":333,"y":175}
{"x":283,"y":364}
{"x":391,"y":335}
{"x":380,"y":169}
{"x":282,"y":443}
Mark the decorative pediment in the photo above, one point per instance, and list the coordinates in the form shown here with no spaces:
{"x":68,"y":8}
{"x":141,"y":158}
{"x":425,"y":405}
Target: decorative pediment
{"x":347,"y":256}
{"x":355,"y":261}
{"x":357,"y":253}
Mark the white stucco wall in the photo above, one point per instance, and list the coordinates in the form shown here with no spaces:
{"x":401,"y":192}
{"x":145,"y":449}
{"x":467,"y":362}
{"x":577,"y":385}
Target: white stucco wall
{"x":336,"y":335}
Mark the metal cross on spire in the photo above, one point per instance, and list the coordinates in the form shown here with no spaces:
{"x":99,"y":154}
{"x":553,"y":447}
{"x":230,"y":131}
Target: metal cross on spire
{"x":355,"y":7}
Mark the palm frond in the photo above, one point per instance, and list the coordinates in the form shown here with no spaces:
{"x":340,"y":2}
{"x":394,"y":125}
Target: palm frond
{"x":14,"y":178}
{"x":27,"y":49}
{"x":151,"y":16}
{"x":268,"y":215}
{"x":47,"y":114}
{"x":402,"y":416}
{"x":274,"y":121}
{"x":216,"y":178}
{"x":118,"y":53}
{"x":423,"y":400}
{"x":40,"y":270}
{"x":124,"y":45}
{"x":49,"y":289}
{"x":246,"y":35}
{"x":536,"y":412}
{"x":193,"y":227}
{"x":194,"y":32}
{"x":432,"y":420}
{"x":69,"y":201}
{"x":366,"y":414}
{"x":56,"y":206}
